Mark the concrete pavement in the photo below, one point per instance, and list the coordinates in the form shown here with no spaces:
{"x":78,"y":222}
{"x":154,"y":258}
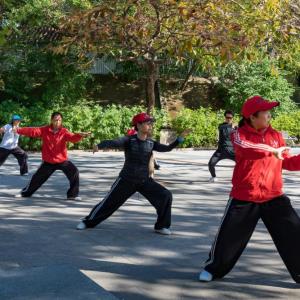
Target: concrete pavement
{"x":42,"y":256}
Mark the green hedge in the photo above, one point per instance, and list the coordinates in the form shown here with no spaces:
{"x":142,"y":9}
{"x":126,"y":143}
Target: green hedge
{"x":239,"y":81}
{"x":204,"y":123}
{"x":113,"y":121}
{"x":289,"y":123}
{"x":103,"y":122}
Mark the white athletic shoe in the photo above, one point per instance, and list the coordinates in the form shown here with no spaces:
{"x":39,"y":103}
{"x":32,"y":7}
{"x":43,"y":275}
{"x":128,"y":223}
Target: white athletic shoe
{"x":205,"y":276}
{"x":25,"y":174}
{"x":213,"y":179}
{"x":74,"y":198}
{"x":164,"y":231}
{"x":81,"y":226}
{"x":19,"y":196}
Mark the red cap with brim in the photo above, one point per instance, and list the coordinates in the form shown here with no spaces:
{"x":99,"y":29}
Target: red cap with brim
{"x":255,"y":104}
{"x":141,"y":118}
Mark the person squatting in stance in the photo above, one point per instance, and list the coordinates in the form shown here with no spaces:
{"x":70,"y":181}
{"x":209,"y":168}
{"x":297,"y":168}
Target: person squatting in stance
{"x":134,"y":176}
{"x":225,"y":147}
{"x":257,"y":193}
{"x":54,"y":155}
{"x":9,"y":145}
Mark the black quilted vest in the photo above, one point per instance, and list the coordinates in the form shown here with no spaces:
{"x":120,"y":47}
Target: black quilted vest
{"x":137,"y":156}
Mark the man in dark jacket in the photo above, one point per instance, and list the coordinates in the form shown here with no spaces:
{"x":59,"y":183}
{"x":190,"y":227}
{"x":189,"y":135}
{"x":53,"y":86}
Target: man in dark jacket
{"x":135,"y":177}
{"x":225,"y":148}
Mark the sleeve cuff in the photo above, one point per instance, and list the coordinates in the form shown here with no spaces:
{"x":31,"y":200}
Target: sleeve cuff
{"x":180,"y":139}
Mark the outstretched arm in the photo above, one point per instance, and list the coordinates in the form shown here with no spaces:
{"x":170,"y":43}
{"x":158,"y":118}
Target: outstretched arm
{"x":291,"y":163}
{"x":117,"y":143}
{"x":253,"y":151}
{"x":34,"y":132}
{"x":165,"y":148}
{"x":75,"y":137}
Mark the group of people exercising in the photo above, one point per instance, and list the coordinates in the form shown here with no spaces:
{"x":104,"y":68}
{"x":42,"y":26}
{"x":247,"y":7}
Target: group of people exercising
{"x":259,"y":152}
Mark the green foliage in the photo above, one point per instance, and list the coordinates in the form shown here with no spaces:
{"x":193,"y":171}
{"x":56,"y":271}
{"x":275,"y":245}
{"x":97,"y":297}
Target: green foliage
{"x":240,"y":81}
{"x":41,"y":12}
{"x":203,"y":122}
{"x":35,"y":115}
{"x":113,"y":121}
{"x":41,"y":77}
{"x":29,"y":74}
{"x":103,"y":122}
{"x":288,"y":122}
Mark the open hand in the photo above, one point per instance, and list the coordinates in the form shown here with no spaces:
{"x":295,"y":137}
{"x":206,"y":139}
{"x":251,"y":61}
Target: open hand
{"x":84,"y":134}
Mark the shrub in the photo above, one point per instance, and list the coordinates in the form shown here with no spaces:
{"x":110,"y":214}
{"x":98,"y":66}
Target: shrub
{"x":240,"y":81}
{"x":288,"y":122}
{"x":103,"y":122}
{"x":204,"y":123}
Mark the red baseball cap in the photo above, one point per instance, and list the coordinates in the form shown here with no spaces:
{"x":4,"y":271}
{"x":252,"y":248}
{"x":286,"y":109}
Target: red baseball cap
{"x":255,"y":104}
{"x":141,"y":118}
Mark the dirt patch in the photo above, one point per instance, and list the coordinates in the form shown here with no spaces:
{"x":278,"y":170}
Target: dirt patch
{"x":199,"y":92}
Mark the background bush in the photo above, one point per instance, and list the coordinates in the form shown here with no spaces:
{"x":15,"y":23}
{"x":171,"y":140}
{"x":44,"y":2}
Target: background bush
{"x":113,"y":121}
{"x":204,"y":123}
{"x":103,"y":122}
{"x":238,"y":82}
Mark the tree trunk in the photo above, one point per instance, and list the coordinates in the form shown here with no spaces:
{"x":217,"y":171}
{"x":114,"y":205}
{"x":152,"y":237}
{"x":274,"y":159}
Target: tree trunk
{"x":152,"y":75}
{"x":157,"y":94}
{"x":189,"y":74}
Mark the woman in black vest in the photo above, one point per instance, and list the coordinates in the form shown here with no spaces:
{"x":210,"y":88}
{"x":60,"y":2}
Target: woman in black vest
{"x":134,"y":176}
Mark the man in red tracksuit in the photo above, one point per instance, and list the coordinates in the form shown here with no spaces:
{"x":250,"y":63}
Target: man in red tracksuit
{"x":54,"y":155}
{"x":257,"y":193}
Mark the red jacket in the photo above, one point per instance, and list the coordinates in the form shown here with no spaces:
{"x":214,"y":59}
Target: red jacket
{"x":54,"y":146}
{"x":257,"y":175}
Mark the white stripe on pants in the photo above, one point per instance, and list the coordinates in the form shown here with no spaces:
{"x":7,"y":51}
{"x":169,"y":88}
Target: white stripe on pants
{"x":103,"y":201}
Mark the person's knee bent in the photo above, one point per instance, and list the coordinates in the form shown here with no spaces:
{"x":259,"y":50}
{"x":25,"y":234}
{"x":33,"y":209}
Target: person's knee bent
{"x":76,"y":173}
{"x":168,"y":197}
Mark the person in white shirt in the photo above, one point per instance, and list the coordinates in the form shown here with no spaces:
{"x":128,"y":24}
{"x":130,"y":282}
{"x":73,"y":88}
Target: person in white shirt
{"x":9,"y":145}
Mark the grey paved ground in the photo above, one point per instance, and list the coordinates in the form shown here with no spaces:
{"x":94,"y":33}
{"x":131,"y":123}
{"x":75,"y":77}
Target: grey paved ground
{"x":42,"y":256}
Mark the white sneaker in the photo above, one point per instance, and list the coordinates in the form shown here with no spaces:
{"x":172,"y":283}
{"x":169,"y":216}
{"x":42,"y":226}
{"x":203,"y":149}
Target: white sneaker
{"x":213,"y":179}
{"x":81,"y":226}
{"x":164,"y":231}
{"x":205,"y":276}
{"x":25,"y":174}
{"x":19,"y":196}
{"x":74,"y":198}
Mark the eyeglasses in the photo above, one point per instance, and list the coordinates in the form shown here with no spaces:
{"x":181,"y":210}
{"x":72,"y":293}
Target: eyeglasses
{"x":229,"y":118}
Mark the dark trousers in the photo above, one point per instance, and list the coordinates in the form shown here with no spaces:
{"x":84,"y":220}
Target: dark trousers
{"x":121,"y":190}
{"x":19,"y":154}
{"x":46,"y":170}
{"x":238,"y":224}
{"x":216,"y":157}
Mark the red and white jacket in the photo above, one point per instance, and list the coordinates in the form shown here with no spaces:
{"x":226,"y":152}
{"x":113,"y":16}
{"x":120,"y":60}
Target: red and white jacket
{"x":257,"y":176}
{"x":54,"y":144}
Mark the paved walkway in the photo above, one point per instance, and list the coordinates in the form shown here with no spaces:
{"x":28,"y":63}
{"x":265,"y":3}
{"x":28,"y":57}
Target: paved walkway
{"x":42,"y":256}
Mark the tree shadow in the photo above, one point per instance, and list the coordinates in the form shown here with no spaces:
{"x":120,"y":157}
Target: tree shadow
{"x":123,"y":254}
